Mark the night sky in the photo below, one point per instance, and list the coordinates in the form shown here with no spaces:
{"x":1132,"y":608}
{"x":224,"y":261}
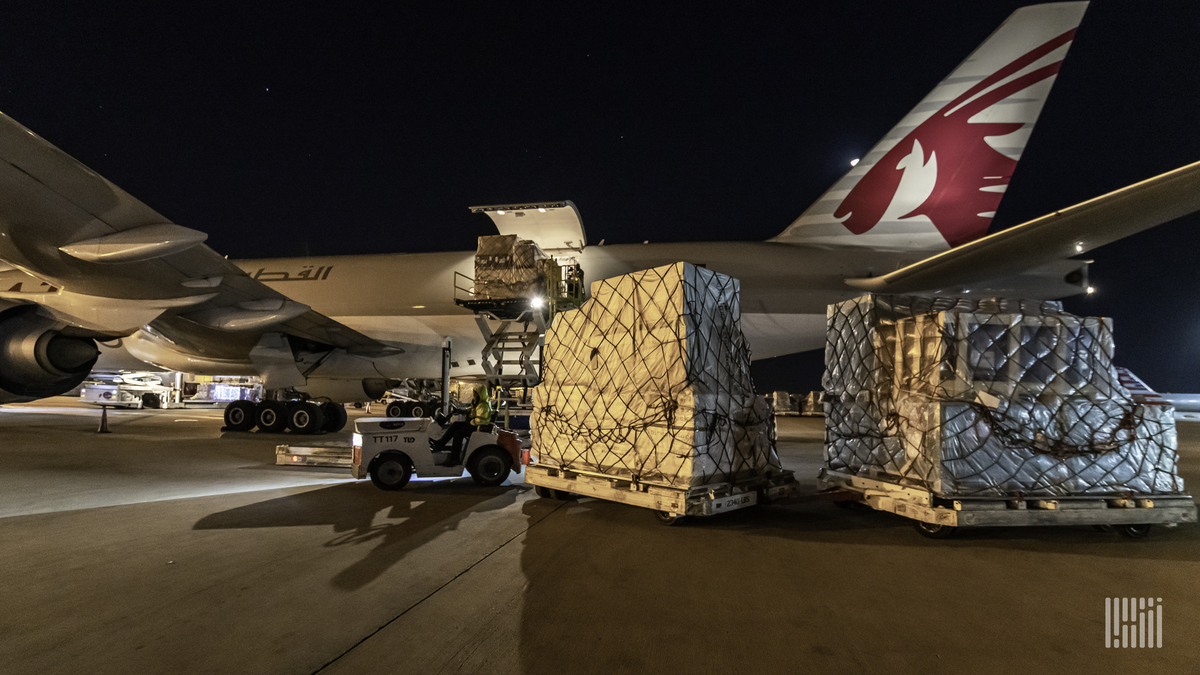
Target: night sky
{"x":329,"y":129}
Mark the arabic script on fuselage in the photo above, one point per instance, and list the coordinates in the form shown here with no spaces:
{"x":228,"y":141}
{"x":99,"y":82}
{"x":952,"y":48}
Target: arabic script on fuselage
{"x":307,"y":273}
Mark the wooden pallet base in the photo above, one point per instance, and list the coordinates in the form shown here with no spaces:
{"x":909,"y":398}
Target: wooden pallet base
{"x":705,"y":500}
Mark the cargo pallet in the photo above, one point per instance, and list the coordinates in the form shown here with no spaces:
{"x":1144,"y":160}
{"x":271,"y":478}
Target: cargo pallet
{"x":669,"y":503}
{"x":937,"y":516}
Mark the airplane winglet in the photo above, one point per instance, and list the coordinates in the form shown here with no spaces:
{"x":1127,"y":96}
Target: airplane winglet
{"x":1057,"y":236}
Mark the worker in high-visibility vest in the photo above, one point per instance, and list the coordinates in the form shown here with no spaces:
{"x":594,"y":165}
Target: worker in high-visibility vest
{"x":458,"y":433}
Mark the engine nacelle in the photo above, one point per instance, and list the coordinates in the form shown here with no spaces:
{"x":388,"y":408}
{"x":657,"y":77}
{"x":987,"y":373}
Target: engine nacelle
{"x":36,"y":359}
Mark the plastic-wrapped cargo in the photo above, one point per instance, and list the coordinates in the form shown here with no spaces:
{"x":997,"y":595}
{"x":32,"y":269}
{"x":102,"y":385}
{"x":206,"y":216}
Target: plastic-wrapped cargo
{"x":507,"y":266}
{"x":987,"y":398}
{"x":649,"y":381}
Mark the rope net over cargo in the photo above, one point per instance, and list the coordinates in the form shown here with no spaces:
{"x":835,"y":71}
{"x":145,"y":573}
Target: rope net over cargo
{"x":987,"y":398}
{"x":650,"y":381}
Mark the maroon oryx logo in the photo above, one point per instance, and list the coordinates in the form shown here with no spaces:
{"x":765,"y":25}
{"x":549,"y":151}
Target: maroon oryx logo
{"x":970,"y":174}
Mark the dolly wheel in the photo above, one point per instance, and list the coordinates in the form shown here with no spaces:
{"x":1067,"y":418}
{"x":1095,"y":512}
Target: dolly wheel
{"x":1135,"y":531}
{"x":543,"y":492}
{"x":668,"y":518}
{"x":934,"y":531}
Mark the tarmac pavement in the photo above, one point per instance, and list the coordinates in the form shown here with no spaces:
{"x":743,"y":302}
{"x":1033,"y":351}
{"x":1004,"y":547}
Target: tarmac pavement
{"x":169,"y":546}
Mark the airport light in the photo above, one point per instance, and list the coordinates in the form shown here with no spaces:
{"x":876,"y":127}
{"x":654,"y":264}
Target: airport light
{"x":1091,"y":289}
{"x":1079,"y":247}
{"x":535,"y":303}
{"x":542,"y":210}
{"x":500,"y":211}
{"x":854,"y":162}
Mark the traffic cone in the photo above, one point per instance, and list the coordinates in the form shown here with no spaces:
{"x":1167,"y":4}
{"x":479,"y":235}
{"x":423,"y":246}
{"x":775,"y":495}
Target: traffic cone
{"x":103,"y":420}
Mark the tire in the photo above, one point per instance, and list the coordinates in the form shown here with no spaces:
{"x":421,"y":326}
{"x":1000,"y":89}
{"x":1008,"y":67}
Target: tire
{"x":417,"y":410}
{"x":390,"y":471}
{"x":335,"y":416}
{"x":239,"y":416}
{"x":490,"y":466}
{"x":668,"y":518}
{"x":561,"y":495}
{"x":151,"y":400}
{"x":543,"y":492}
{"x":394,"y":409}
{"x":305,"y":417}
{"x":1135,"y":531}
{"x":934,"y":531}
{"x":271,"y":416}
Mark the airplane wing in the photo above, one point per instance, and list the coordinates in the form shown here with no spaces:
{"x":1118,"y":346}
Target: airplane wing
{"x":107,"y":264}
{"x":1053,"y":237}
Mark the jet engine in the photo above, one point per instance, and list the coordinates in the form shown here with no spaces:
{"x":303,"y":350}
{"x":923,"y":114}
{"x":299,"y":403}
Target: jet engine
{"x":37,"y":359}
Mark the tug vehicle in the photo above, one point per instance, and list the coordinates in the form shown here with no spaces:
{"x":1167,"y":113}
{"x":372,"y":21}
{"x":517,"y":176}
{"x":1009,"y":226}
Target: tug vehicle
{"x":392,"y":450}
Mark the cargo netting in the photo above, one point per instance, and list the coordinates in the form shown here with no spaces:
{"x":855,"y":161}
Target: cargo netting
{"x":987,"y":398}
{"x":507,"y":267}
{"x":649,"y":381}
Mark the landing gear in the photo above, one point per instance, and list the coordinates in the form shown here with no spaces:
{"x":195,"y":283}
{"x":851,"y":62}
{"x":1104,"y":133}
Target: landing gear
{"x":335,"y":416}
{"x":271,"y":416}
{"x":305,"y":417}
{"x":240,"y":415}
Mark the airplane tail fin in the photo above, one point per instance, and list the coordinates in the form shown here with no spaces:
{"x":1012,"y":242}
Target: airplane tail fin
{"x":936,"y":179}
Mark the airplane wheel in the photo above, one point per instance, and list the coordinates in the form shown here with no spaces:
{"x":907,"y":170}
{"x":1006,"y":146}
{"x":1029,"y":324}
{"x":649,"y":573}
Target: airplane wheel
{"x":335,"y":416}
{"x":239,"y":416}
{"x":305,"y":418}
{"x":394,"y":409}
{"x":391,"y":471}
{"x":271,"y":416}
{"x":490,"y":466}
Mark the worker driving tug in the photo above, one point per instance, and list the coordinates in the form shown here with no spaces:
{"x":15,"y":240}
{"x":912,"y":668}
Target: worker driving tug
{"x":457,"y":434}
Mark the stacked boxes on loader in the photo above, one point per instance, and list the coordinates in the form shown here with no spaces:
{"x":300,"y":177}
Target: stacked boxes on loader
{"x":987,"y":398}
{"x":508,"y":267}
{"x":649,"y":381}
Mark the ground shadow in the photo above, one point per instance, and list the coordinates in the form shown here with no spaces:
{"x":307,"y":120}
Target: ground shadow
{"x":412,"y":517}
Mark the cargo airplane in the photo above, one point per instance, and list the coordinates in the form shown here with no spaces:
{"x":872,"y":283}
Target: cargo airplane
{"x":86,"y":264}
